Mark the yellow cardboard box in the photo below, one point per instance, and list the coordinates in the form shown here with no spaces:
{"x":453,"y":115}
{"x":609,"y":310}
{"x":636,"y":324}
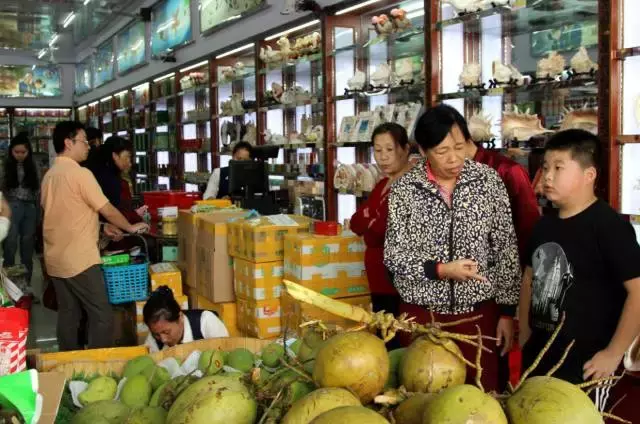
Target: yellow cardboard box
{"x":254,"y":281}
{"x":295,"y":313}
{"x":331,"y":265}
{"x":227,"y":312}
{"x":262,"y":239}
{"x":166,"y":274}
{"x":260,"y":319}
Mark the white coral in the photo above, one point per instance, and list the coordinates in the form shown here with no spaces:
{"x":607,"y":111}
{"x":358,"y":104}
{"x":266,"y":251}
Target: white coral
{"x":551,"y":66}
{"x":470,"y":74}
{"x":582,"y":63}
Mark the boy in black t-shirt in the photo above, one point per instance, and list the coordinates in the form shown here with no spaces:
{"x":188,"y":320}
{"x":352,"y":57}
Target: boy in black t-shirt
{"x":583,"y":261}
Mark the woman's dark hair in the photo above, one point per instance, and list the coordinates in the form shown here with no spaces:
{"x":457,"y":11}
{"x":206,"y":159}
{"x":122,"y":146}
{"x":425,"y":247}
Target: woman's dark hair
{"x":161,"y":305}
{"x":114,"y":144}
{"x":242,"y":145}
{"x":396,"y":131}
{"x":436,"y":123}
{"x":64,"y":130}
{"x":11,"y":166}
{"x":93,"y":134}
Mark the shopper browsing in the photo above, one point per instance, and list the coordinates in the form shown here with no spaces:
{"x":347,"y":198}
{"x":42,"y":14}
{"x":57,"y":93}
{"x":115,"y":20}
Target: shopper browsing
{"x":391,"y":151}
{"x":584,"y":263}
{"x":72,"y":200}
{"x":170,"y":326}
{"x":218,"y":186}
{"x":450,"y":243}
{"x":21,"y":186}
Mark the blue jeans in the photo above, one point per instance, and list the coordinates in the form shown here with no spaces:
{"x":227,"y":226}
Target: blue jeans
{"x":24,"y":219}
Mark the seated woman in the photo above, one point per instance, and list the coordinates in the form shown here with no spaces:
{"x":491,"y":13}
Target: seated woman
{"x":450,"y":242}
{"x":170,"y":326}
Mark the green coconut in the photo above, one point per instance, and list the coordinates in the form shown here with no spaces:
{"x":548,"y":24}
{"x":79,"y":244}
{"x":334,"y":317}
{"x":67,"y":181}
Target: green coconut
{"x":317,"y":402}
{"x":428,"y":367}
{"x":271,"y":354}
{"x":549,"y":400}
{"x":357,"y":361}
{"x":350,"y":415}
{"x":109,"y":411}
{"x":395,"y":358}
{"x":464,"y":404}
{"x":201,"y":388}
{"x":412,"y":410}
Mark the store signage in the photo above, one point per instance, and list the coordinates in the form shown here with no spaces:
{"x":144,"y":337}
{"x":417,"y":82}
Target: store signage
{"x":170,"y":26}
{"x":214,"y":14}
{"x":132,"y":48}
{"x":83,"y":77}
{"x":30,"y":81}
{"x":103,"y":64}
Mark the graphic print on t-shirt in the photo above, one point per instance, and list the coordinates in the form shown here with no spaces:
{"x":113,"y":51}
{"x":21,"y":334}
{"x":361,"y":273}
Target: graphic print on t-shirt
{"x":552,"y":278}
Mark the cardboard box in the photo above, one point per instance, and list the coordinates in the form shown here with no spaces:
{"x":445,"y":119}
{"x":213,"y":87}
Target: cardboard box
{"x":254,"y":281}
{"x":260,"y":319}
{"x":262,"y":239}
{"x":295,"y":313}
{"x":227,"y":312}
{"x":166,"y":274}
{"x":331,"y":265}
{"x":51,"y":386}
{"x":214,"y":266}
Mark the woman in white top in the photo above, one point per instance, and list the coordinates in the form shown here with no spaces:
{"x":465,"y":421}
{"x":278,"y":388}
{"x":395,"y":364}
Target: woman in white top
{"x":170,"y":326}
{"x":218,"y":186}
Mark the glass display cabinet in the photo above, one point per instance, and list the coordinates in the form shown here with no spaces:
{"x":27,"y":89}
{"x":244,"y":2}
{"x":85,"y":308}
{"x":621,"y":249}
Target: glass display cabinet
{"x":142,"y":133}
{"x":164,"y":143}
{"x":376,"y":62}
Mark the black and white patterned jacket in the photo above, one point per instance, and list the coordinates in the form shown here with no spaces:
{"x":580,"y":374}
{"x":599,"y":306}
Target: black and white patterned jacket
{"x":423,"y":230}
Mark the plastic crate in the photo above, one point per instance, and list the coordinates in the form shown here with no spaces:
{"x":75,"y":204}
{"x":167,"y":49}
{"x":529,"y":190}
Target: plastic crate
{"x":127,"y":283}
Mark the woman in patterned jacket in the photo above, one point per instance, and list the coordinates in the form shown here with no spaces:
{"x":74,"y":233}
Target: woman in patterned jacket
{"x":450,"y":243}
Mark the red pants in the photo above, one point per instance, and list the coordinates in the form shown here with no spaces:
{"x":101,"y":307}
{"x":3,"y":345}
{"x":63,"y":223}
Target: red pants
{"x":488,"y":325}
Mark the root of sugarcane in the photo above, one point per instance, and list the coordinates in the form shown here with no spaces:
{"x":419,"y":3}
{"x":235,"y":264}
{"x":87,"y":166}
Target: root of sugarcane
{"x":608,"y":381}
{"x":615,"y":418}
{"x":479,"y":360}
{"x":385,"y":322}
{"x":273,"y":402}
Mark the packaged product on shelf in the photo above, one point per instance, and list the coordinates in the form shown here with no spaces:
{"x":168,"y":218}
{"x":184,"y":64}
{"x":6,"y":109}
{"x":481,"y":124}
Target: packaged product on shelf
{"x":166,"y":274}
{"x":254,"y":281}
{"x":227,"y":312}
{"x":260,"y":319}
{"x":331,"y":265}
{"x":295,"y":313}
{"x":262,"y":239}
{"x":214,"y":267}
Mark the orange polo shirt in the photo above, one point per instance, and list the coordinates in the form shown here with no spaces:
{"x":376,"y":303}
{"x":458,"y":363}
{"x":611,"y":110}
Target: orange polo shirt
{"x":71,"y":198}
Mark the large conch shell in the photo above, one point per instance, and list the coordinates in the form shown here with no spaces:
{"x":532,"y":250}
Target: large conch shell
{"x":505,"y":74}
{"x":582,"y":63}
{"x":345,"y":178}
{"x":365,"y":181}
{"x":521,"y":126}
{"x":585,"y":118}
{"x":470,"y":75}
{"x":550,"y":66}
{"x":480,"y":127}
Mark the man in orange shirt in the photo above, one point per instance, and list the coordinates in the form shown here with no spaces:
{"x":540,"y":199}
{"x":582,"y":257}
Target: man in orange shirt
{"x":72,"y":200}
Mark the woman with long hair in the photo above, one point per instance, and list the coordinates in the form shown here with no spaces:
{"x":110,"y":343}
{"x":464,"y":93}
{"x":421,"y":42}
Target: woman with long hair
{"x":21,"y":186}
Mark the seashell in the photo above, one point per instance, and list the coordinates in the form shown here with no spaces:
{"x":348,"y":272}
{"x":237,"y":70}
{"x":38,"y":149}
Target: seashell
{"x":357,"y":81}
{"x":465,"y":6}
{"x":404,"y":70}
{"x":521,"y":126}
{"x":381,"y":75}
{"x":585,"y":119}
{"x":490,"y":4}
{"x":582,"y":63}
{"x":364,"y":178}
{"x":501,"y":73}
{"x":345,"y":178}
{"x":470,"y":75}
{"x":480,"y":127}
{"x":550,"y":66}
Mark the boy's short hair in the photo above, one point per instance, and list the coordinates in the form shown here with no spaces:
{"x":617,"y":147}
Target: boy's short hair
{"x":584,"y":147}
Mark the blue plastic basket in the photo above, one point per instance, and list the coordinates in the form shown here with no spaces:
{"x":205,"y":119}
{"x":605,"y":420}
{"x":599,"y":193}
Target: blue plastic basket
{"x":127,"y":283}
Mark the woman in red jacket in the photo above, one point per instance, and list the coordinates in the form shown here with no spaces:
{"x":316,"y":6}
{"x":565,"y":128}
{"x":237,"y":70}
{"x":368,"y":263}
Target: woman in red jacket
{"x":391,"y":152}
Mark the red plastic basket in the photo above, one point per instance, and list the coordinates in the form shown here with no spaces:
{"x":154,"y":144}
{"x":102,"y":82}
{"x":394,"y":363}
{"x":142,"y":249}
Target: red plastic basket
{"x":161,"y":199}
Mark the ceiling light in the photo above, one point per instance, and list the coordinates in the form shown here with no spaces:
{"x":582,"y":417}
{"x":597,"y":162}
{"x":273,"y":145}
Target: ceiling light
{"x":197,"y":65}
{"x":137,"y":87}
{"x":239,"y":49}
{"x":299,"y":27}
{"x":121,"y":93}
{"x":93,"y":104}
{"x":82,"y":108}
{"x":163,"y":77}
{"x":356,"y":7}
{"x":53,"y":39}
{"x":69,"y":19}
{"x":106,"y":98}
{"x":86,"y":2}
{"x":42,"y":53}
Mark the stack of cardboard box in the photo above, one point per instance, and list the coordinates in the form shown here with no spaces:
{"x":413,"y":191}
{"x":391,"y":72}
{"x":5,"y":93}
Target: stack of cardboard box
{"x":257,"y":246}
{"x":331,"y":265}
